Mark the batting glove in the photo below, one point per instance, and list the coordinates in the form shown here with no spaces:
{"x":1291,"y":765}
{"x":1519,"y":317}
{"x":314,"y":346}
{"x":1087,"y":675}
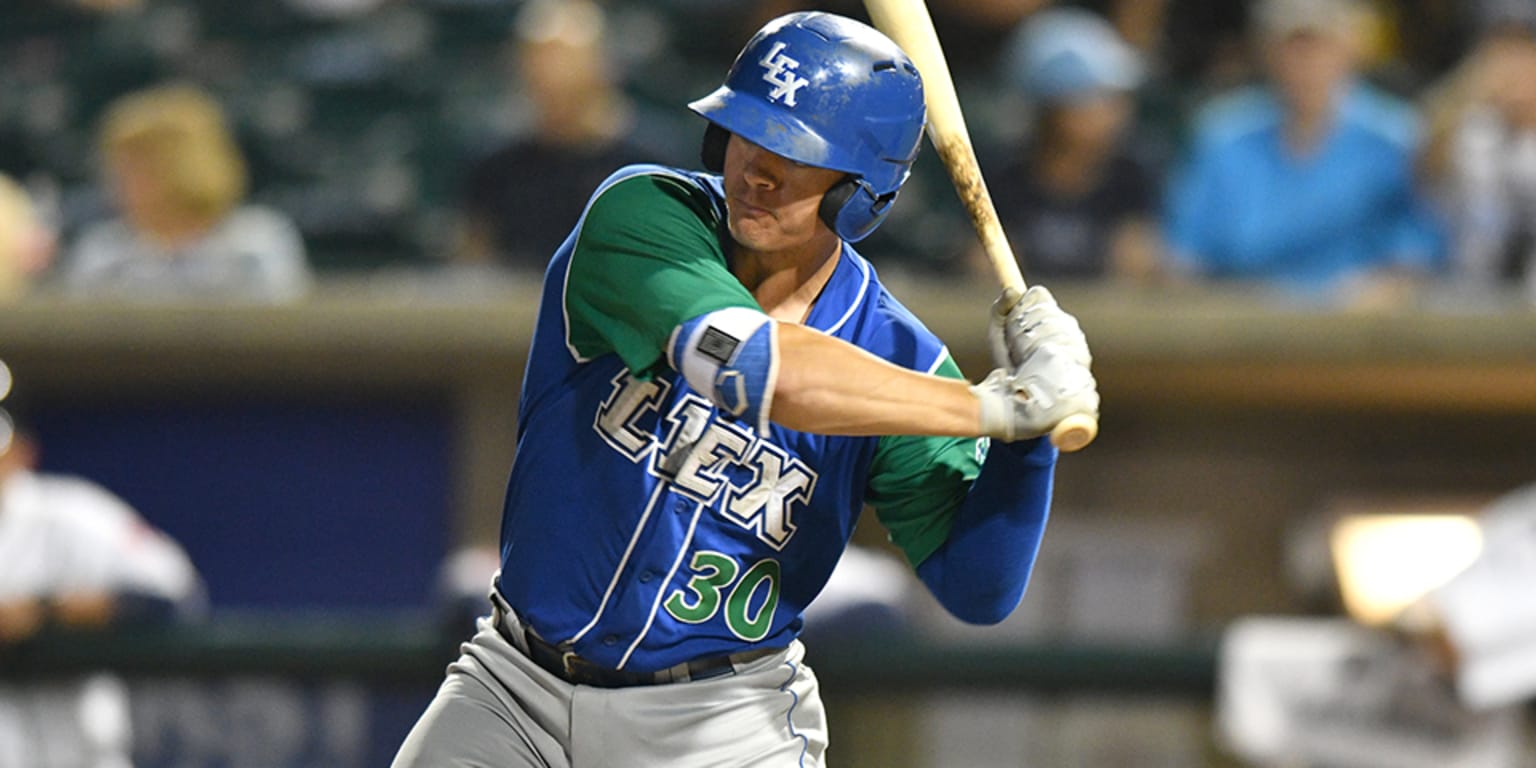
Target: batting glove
{"x":1034,"y":321}
{"x":1029,"y":402}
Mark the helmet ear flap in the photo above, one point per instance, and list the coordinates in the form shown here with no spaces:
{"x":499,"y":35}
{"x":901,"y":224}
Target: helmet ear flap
{"x":712,"y":152}
{"x":835,"y":200}
{"x":848,"y":208}
{"x":851,"y":210}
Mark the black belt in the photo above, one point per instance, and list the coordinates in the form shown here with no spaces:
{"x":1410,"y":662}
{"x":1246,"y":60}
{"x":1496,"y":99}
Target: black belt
{"x":576,"y":670}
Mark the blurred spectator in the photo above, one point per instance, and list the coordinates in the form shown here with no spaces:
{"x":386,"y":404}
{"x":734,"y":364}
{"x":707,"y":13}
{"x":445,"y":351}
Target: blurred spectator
{"x":1483,"y":620}
{"x":1074,"y":199}
{"x":1307,"y":182}
{"x":521,"y":201}
{"x":1297,"y":692}
{"x":1481,"y":154}
{"x":26,"y":242}
{"x":73,"y":557}
{"x":178,"y":180}
{"x":1422,"y":675}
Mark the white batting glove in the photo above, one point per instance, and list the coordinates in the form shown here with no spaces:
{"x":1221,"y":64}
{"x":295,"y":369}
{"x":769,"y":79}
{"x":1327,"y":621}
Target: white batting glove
{"x":1035,"y":321}
{"x":1031,"y":401}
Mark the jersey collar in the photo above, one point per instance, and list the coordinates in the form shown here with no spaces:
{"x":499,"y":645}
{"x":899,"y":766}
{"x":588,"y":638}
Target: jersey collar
{"x":843,"y":293}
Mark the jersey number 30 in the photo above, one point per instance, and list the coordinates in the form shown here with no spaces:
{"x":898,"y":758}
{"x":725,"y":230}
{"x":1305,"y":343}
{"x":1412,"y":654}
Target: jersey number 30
{"x":715,"y":573}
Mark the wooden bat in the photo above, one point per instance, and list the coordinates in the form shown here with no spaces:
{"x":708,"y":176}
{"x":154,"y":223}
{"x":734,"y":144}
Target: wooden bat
{"x":908,"y":24}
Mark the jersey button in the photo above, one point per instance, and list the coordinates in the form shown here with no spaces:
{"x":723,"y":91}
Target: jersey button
{"x":646,"y":576}
{"x":611,"y":640}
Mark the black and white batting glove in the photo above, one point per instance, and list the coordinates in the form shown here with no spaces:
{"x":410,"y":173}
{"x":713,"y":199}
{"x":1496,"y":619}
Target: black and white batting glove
{"x":1031,"y":401}
{"x":1035,"y":321}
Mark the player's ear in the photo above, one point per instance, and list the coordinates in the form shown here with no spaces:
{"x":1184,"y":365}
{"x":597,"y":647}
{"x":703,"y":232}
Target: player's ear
{"x":712,"y":153}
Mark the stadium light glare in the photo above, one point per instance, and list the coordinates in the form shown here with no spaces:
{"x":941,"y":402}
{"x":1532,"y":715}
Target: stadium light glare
{"x":1387,"y":562}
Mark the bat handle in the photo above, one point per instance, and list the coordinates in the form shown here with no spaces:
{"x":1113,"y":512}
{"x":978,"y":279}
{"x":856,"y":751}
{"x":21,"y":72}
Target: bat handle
{"x":1075,"y":432}
{"x":1012,"y":295}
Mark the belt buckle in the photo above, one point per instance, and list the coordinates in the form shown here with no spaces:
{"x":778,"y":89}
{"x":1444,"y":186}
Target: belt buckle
{"x":583,"y":672}
{"x":568,"y":661}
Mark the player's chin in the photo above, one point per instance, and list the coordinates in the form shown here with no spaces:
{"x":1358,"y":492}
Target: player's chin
{"x":760,"y":233}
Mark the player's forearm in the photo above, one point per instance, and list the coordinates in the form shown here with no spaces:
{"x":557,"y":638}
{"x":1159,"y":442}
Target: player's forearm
{"x":828,"y":386}
{"x":981,"y":571}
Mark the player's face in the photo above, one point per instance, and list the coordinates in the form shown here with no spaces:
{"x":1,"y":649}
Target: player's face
{"x":772,"y":201}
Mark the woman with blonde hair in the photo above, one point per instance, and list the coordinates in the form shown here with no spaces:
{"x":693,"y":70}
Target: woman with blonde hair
{"x":178,"y":180}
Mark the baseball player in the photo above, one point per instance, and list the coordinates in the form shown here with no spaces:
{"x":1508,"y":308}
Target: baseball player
{"x":73,"y":555}
{"x":718,"y":383}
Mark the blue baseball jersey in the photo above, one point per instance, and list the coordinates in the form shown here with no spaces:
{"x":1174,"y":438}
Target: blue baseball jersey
{"x":645,"y":526}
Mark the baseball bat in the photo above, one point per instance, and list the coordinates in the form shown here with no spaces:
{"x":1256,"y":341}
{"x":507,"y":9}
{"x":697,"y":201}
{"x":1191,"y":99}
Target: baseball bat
{"x":908,"y":24}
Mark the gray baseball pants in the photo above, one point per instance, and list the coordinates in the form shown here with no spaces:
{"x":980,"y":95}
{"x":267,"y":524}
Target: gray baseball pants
{"x":497,"y":709}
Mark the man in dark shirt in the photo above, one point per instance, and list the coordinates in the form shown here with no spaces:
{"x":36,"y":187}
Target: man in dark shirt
{"x":1073,"y":198}
{"x":519,"y":201}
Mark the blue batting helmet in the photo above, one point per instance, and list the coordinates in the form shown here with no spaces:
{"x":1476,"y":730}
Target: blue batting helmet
{"x":827,"y":91}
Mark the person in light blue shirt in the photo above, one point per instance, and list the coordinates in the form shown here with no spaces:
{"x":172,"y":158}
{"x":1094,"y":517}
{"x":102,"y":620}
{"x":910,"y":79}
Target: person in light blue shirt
{"x":1307,"y":182}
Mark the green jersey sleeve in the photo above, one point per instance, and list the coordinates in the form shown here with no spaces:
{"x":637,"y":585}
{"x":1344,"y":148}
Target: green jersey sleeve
{"x":647,"y":257}
{"x":917,"y":483}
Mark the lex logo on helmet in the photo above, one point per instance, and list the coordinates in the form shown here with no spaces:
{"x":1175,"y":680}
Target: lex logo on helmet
{"x":779,"y":72}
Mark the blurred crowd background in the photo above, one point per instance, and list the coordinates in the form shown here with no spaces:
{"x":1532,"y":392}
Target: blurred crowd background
{"x":192,"y":190}
{"x":1341,"y":151}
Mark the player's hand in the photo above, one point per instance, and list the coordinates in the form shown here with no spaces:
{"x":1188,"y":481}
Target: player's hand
{"x":21,"y":619}
{"x":86,"y":610}
{"x":1029,"y":402}
{"x":1036,"y":320}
